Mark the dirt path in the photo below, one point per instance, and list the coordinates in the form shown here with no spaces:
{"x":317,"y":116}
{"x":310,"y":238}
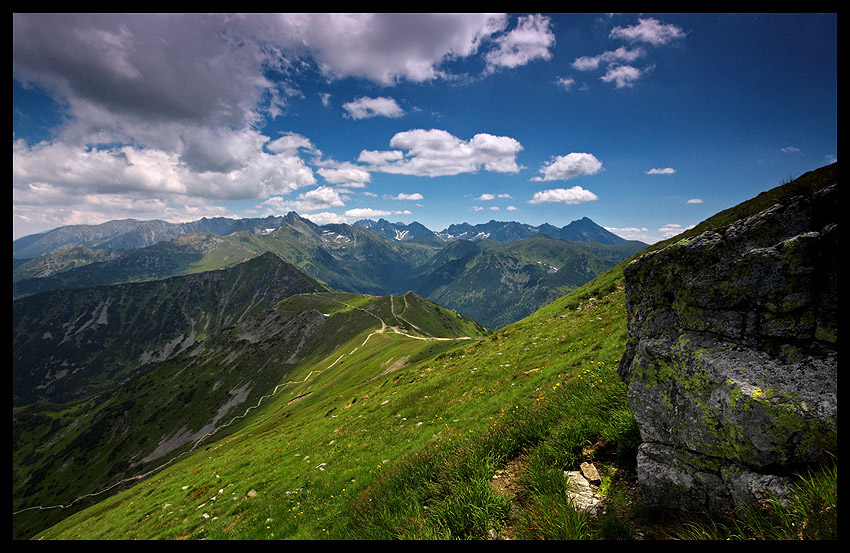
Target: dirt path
{"x":384,"y":329}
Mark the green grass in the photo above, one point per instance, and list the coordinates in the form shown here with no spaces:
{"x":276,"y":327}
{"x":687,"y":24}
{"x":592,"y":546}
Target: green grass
{"x":810,"y":513}
{"x":396,"y":438}
{"x":362,"y":420}
{"x":379,"y":449}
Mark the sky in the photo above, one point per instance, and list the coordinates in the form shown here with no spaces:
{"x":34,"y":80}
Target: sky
{"x":645,"y":123}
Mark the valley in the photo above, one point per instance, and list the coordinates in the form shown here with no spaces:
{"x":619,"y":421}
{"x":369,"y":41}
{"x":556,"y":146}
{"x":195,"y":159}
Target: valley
{"x":310,"y":412}
{"x":494,"y":282}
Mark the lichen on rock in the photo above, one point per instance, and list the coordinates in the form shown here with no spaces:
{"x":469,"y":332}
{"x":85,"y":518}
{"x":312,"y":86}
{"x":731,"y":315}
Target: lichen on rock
{"x":731,"y":360}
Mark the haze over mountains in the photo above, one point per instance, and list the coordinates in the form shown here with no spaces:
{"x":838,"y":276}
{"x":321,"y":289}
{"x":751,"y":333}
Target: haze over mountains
{"x":495,"y":273}
{"x":285,"y":396}
{"x":130,"y":233}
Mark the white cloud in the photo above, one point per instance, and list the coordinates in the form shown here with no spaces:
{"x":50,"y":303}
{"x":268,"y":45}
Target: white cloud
{"x":623,"y":75}
{"x":644,"y":234}
{"x":511,"y":208}
{"x":162,"y":109}
{"x":619,"y":69}
{"x":345,"y":174}
{"x":658,"y":171}
{"x":790,"y":150}
{"x":290,"y":143}
{"x":574,"y":195}
{"x":153,"y":67}
{"x":650,"y":31}
{"x":322,"y":197}
{"x":363,"y":107}
{"x":565,"y":83}
{"x":326,"y":218}
{"x":351,"y":215}
{"x":243,"y":171}
{"x":569,"y":166}
{"x":530,"y":40}
{"x":91,"y":209}
{"x":620,"y":55}
{"x":694,"y":201}
{"x":633,"y":233}
{"x":488,"y":197}
{"x":403,"y":196}
{"x":367,"y":212}
{"x":383,"y":47}
{"x":672,"y":229}
{"x":438,"y":153}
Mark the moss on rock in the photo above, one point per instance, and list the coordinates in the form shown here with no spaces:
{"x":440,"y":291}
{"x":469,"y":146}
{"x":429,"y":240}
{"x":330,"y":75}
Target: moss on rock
{"x":731,"y":359}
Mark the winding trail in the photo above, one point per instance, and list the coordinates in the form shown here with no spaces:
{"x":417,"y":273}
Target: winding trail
{"x":384,"y":329}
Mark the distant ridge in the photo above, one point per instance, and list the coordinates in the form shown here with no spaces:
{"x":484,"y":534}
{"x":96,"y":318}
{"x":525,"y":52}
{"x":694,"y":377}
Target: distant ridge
{"x":134,"y":323}
{"x":128,"y":234}
{"x":582,"y":230}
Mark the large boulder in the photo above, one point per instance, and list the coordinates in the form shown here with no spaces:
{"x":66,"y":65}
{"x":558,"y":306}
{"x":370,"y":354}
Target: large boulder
{"x":731,"y":360}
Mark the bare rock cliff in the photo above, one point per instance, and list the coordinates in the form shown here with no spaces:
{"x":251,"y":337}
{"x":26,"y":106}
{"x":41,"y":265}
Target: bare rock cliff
{"x":731,"y":361}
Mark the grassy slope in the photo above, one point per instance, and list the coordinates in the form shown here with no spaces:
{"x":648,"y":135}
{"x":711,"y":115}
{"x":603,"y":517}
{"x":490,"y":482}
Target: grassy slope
{"x":378,"y":449}
{"x":191,"y":380}
{"x":330,"y":434}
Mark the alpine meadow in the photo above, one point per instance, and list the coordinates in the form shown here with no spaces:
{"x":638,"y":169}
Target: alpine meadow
{"x":402,"y":276}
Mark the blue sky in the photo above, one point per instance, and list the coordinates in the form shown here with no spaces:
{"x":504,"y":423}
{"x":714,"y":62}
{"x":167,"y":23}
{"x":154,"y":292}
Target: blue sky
{"x":646,"y":123}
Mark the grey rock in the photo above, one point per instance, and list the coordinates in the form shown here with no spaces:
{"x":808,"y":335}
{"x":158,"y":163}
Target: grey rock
{"x":582,"y":494}
{"x":731,"y":360}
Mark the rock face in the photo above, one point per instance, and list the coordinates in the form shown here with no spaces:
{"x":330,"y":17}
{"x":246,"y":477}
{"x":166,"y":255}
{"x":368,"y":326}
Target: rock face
{"x":731,"y":361}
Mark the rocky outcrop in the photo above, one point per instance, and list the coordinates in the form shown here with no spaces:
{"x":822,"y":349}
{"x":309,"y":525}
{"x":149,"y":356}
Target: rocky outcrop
{"x":731,"y":360}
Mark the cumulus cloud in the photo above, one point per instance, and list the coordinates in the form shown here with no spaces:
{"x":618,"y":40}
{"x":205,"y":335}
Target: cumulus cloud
{"x":154,"y":67}
{"x":436,"y":152}
{"x":163,"y":109}
{"x":574,"y":195}
{"x":363,"y":108}
{"x":623,"y":75}
{"x":290,"y":144}
{"x":660,"y":171}
{"x":622,"y":55}
{"x":694,"y":201}
{"x":404,"y":196}
{"x":325,"y":218}
{"x":569,"y":166}
{"x":619,"y":68}
{"x":243,"y":170}
{"x":488,"y":197}
{"x":650,"y":31}
{"x":632,"y":233}
{"x":530,"y":40}
{"x":565,"y":82}
{"x":386,"y":47}
{"x":345,"y":174}
{"x":323,"y":197}
{"x":672,"y":229}
{"x":367,"y":213}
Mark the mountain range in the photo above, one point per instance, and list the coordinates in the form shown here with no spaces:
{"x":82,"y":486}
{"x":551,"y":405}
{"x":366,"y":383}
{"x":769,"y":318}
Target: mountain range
{"x":248,"y":399}
{"x":131,"y":234}
{"x":70,"y":344}
{"x":582,"y":230}
{"x":144,"y":372}
{"x":495,"y":280}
